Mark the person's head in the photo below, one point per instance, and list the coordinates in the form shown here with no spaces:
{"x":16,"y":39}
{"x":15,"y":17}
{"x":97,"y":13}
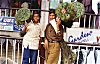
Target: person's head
{"x":36,"y":17}
{"x":52,"y":14}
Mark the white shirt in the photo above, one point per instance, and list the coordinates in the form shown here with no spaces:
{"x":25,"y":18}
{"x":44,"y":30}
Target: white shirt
{"x":53,"y":23}
{"x":32,"y":37}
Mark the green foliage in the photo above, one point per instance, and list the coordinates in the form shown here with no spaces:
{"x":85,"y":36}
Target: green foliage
{"x":70,"y":10}
{"x":22,"y":15}
{"x":79,"y":9}
{"x":66,"y":15}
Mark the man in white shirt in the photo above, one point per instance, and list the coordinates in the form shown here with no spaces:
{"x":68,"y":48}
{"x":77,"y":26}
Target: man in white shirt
{"x":31,"y":40}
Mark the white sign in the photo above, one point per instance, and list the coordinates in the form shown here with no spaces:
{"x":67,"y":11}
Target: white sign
{"x":9,"y":24}
{"x":83,"y":35}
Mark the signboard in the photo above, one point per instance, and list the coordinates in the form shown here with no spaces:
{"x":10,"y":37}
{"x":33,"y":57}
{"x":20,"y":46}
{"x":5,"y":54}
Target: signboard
{"x":9,"y":24}
{"x":83,"y":35}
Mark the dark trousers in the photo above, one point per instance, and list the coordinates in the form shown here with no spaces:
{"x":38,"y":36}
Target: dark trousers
{"x":42,"y":54}
{"x":32,"y":54}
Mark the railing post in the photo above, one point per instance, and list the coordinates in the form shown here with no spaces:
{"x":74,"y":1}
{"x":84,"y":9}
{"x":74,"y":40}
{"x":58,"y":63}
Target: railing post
{"x":94,"y":21}
{"x":0,"y":12}
{"x":1,"y":47}
{"x":18,"y":54}
{"x":5,"y":12}
{"x":79,"y":21}
{"x":10,"y":12}
{"x":84,"y":20}
{"x":6,"y":49}
{"x":14,"y":47}
{"x":22,"y":54}
{"x":89,"y":20}
{"x":78,"y":54}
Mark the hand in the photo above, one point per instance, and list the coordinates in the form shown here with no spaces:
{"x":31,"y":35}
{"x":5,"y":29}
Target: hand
{"x":46,"y":44}
{"x":26,"y":24}
{"x":58,"y":21}
{"x":25,"y":27}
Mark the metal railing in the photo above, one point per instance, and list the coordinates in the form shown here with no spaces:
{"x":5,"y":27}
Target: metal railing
{"x":10,"y":50}
{"x":77,"y":47}
{"x":86,"y":21}
{"x":89,"y":21}
{"x":11,"y":12}
{"x":16,"y":49}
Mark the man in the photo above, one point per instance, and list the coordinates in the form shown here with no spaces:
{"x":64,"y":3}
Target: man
{"x":31,"y":40}
{"x":53,"y":37}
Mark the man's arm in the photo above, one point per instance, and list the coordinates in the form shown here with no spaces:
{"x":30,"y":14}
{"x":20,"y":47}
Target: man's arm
{"x":45,"y":39}
{"x":24,"y":30}
{"x":45,"y":43}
